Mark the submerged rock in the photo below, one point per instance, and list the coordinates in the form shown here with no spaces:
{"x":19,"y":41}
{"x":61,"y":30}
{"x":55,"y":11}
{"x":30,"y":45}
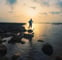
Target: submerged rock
{"x":47,"y":49}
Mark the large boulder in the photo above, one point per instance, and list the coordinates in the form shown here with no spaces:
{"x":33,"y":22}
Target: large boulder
{"x":47,"y":49}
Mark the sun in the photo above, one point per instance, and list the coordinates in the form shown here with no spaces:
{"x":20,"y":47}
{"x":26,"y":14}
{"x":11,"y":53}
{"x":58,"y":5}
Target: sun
{"x":31,"y":12}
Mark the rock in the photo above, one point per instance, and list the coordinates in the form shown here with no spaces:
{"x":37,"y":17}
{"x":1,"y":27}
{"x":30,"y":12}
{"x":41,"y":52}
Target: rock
{"x":28,"y":36}
{"x":16,"y":39}
{"x":3,"y":50}
{"x":40,"y":41}
{"x":22,"y":42}
{"x":59,"y":58}
{"x":47,"y":49}
{"x":16,"y":56}
{"x":4,"y":58}
{"x":1,"y":41}
{"x":30,"y":31}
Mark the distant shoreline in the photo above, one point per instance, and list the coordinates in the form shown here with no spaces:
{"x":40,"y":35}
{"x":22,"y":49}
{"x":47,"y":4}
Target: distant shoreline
{"x":12,"y":23}
{"x":25,"y":23}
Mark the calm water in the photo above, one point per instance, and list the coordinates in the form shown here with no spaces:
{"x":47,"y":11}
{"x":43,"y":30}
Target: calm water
{"x":49,"y":33}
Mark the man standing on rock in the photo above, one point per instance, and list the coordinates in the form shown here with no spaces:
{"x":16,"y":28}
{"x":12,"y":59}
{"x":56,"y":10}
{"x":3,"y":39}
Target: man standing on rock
{"x":30,"y":23}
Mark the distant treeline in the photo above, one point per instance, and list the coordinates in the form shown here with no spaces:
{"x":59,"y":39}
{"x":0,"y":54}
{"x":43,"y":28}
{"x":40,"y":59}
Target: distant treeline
{"x":11,"y":27}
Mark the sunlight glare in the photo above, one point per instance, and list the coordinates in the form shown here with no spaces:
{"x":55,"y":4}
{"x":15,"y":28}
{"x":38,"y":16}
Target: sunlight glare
{"x":31,"y":12}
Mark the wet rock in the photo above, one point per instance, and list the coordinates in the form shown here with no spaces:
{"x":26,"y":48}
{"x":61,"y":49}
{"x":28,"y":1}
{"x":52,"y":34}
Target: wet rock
{"x":16,"y":56}
{"x":59,"y":58}
{"x":22,"y":42}
{"x":16,"y":39}
{"x":28,"y":36}
{"x":1,"y":41}
{"x":4,"y":58}
{"x":47,"y":49}
{"x":1,"y":30}
{"x":30,"y":31}
{"x":3,"y":50}
{"x":40,"y":41}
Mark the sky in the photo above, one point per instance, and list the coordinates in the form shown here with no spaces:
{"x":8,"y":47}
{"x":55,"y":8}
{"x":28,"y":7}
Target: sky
{"x":24,"y":10}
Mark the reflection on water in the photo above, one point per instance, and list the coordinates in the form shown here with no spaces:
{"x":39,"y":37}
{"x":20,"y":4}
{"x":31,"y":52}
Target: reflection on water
{"x":39,"y":29}
{"x":31,"y":50}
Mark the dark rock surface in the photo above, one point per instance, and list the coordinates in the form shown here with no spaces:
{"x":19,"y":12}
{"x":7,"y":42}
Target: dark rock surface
{"x":3,"y":50}
{"x":47,"y":49}
{"x":40,"y":41}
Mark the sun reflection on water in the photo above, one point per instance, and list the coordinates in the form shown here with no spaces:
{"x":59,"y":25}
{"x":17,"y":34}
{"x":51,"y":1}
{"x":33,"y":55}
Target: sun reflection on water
{"x":40,"y":30}
{"x":37,"y":28}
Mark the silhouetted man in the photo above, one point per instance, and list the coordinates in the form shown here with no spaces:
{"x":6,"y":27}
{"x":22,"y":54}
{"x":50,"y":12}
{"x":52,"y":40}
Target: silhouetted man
{"x":30,"y":23}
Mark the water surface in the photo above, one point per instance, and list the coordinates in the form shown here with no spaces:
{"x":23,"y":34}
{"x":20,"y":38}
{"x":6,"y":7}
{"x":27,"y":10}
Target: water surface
{"x":49,"y":33}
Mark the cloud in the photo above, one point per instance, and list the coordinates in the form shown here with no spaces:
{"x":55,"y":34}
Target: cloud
{"x":34,"y":0}
{"x":11,"y":2}
{"x":33,"y":8}
{"x":0,"y":1}
{"x":46,"y":3}
{"x":3,"y":19}
{"x":24,"y":4}
{"x":42,"y":2}
{"x":44,"y":13}
{"x":49,"y":3}
{"x":56,"y":12}
{"x":10,"y":11}
{"x":59,"y":4}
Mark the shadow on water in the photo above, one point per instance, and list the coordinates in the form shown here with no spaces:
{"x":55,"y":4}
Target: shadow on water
{"x":30,"y":36}
{"x":30,"y":57}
